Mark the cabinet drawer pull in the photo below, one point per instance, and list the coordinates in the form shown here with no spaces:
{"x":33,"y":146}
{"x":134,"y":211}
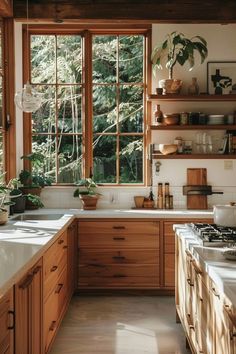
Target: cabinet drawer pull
{"x":119,"y":276}
{"x":189,"y":282}
{"x":54,"y":268}
{"x":232,"y":335}
{"x":118,"y":227}
{"x":36,"y":270}
{"x":215,"y":293}
{"x":59,"y":287}
{"x":231,"y":316}
{"x":26,"y":283}
{"x":12,"y":313}
{"x":53,"y":326}
{"x":118,"y":238}
{"x":60,"y":242}
{"x":196,"y":268}
{"x":118,"y":258}
{"x":65,"y":247}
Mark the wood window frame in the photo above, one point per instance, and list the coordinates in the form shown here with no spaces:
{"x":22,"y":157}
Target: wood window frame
{"x":8,"y":109}
{"x":87,"y":31}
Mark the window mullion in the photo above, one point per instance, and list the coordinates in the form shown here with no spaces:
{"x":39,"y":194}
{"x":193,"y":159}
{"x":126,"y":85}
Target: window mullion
{"x":87,"y":104}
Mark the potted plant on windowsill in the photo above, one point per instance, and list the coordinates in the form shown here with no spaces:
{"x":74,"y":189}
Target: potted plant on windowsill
{"x":177,"y":49}
{"x":5,"y":200}
{"x":33,"y":182}
{"x":87,"y":193}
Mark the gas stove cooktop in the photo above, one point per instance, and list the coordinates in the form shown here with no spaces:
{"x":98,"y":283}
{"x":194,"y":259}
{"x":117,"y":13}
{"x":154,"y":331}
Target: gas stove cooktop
{"x":213,"y":235}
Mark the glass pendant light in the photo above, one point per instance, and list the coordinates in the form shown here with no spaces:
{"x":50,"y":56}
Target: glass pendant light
{"x":28,"y":99}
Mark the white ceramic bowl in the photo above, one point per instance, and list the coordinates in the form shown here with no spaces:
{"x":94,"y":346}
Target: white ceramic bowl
{"x":225,"y":215}
{"x":167,"y":149}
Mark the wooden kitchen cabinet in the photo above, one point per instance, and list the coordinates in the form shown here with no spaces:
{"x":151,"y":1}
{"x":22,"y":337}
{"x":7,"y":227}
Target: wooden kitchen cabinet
{"x":169,"y":249}
{"x":57,"y":292}
{"x":72,"y":239}
{"x":7,"y":323}
{"x":207,"y":316}
{"x":224,"y":322}
{"x":28,"y":312}
{"x":118,"y":254}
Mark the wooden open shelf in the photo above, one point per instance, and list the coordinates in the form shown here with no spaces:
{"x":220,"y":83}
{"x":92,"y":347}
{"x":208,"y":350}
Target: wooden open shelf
{"x":194,"y":127}
{"x":194,"y":156}
{"x":189,"y":98}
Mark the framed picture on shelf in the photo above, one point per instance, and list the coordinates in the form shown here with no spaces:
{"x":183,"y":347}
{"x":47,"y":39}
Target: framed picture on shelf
{"x":221,"y":77}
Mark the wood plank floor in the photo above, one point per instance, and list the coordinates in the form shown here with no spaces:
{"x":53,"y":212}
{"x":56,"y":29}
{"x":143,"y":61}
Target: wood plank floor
{"x":120,"y":325}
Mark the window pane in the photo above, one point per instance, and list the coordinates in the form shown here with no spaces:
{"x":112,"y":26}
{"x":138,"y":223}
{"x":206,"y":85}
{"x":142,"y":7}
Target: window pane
{"x":44,"y":119}
{"x":69,"y":158}
{"x":131,"y":58}
{"x":104,"y":109}
{"x":1,"y":120}
{"x":104,"y":59}
{"x":43,"y":59}
{"x":69,"y":59}
{"x":46,"y":145}
{"x":131,"y":109}
{"x":131,"y":159}
{"x":69,"y":109}
{"x":104,"y":159}
{"x":1,"y":155}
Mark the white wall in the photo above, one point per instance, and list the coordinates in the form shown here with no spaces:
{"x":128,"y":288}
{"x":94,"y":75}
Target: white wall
{"x":221,"y":47}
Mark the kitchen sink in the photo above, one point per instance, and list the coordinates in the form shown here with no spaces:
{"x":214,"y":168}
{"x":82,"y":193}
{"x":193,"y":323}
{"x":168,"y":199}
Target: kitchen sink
{"x":26,"y":217}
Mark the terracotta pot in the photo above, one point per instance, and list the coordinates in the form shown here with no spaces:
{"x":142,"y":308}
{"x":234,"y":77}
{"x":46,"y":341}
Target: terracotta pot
{"x":3,"y":216}
{"x":89,"y":202}
{"x":138,"y":200}
{"x":170,"y":86}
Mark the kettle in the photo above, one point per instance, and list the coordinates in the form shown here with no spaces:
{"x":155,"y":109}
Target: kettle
{"x":225,"y":215}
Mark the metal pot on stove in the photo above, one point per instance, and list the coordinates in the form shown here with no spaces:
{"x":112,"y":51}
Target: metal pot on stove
{"x":225,"y":215}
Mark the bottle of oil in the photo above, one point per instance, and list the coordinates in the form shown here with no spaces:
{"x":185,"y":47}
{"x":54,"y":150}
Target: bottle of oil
{"x":158,"y":115}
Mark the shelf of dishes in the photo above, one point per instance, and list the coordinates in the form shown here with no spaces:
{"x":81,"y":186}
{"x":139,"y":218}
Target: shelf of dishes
{"x":203,"y":144}
{"x":192,"y":118}
{"x":194,"y":127}
{"x":201,"y":97}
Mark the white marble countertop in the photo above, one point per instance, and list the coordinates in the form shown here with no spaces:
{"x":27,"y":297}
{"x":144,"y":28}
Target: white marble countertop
{"x":220,"y":270}
{"x":22,"y":243}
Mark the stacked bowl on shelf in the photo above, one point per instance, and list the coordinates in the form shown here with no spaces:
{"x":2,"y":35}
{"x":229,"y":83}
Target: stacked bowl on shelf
{"x":216,"y":119}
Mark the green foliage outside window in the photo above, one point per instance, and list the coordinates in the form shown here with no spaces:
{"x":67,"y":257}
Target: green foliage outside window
{"x":118,"y":112}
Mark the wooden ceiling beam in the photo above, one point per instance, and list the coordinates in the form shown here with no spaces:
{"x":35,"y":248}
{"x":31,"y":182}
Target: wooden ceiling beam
{"x":153,"y":11}
{"x":6,"y":8}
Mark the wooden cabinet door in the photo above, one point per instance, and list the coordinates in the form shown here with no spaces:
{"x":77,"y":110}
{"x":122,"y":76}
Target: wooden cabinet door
{"x":28,"y":312}
{"x":72,"y":257}
{"x":7,"y":323}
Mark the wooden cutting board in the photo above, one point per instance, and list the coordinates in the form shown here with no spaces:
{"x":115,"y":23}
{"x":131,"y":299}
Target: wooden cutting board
{"x":197,"y":177}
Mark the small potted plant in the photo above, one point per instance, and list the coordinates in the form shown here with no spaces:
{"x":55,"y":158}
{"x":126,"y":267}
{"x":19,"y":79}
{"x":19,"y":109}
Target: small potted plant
{"x":33,"y":181}
{"x":4,"y":200}
{"x":177,"y":49}
{"x":87,"y":193}
{"x":16,"y":196}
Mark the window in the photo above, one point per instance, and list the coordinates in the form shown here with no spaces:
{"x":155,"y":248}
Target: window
{"x":93,"y":115}
{"x":2,"y":130}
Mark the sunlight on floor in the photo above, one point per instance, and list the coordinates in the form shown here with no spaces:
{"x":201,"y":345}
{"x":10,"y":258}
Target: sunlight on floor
{"x":135,"y":340}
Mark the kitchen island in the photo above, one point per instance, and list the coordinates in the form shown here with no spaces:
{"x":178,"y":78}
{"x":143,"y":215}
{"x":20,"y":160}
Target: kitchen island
{"x":205,"y":295}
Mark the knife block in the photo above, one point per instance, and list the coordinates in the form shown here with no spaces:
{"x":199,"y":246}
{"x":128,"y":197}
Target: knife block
{"x":197,"y":177}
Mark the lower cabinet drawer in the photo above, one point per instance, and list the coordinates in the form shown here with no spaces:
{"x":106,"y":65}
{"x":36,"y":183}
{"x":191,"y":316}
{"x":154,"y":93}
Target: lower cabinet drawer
{"x":118,"y":271}
{"x":119,"y":282}
{"x":54,"y":308}
{"x":53,"y":273}
{"x":91,"y":257}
